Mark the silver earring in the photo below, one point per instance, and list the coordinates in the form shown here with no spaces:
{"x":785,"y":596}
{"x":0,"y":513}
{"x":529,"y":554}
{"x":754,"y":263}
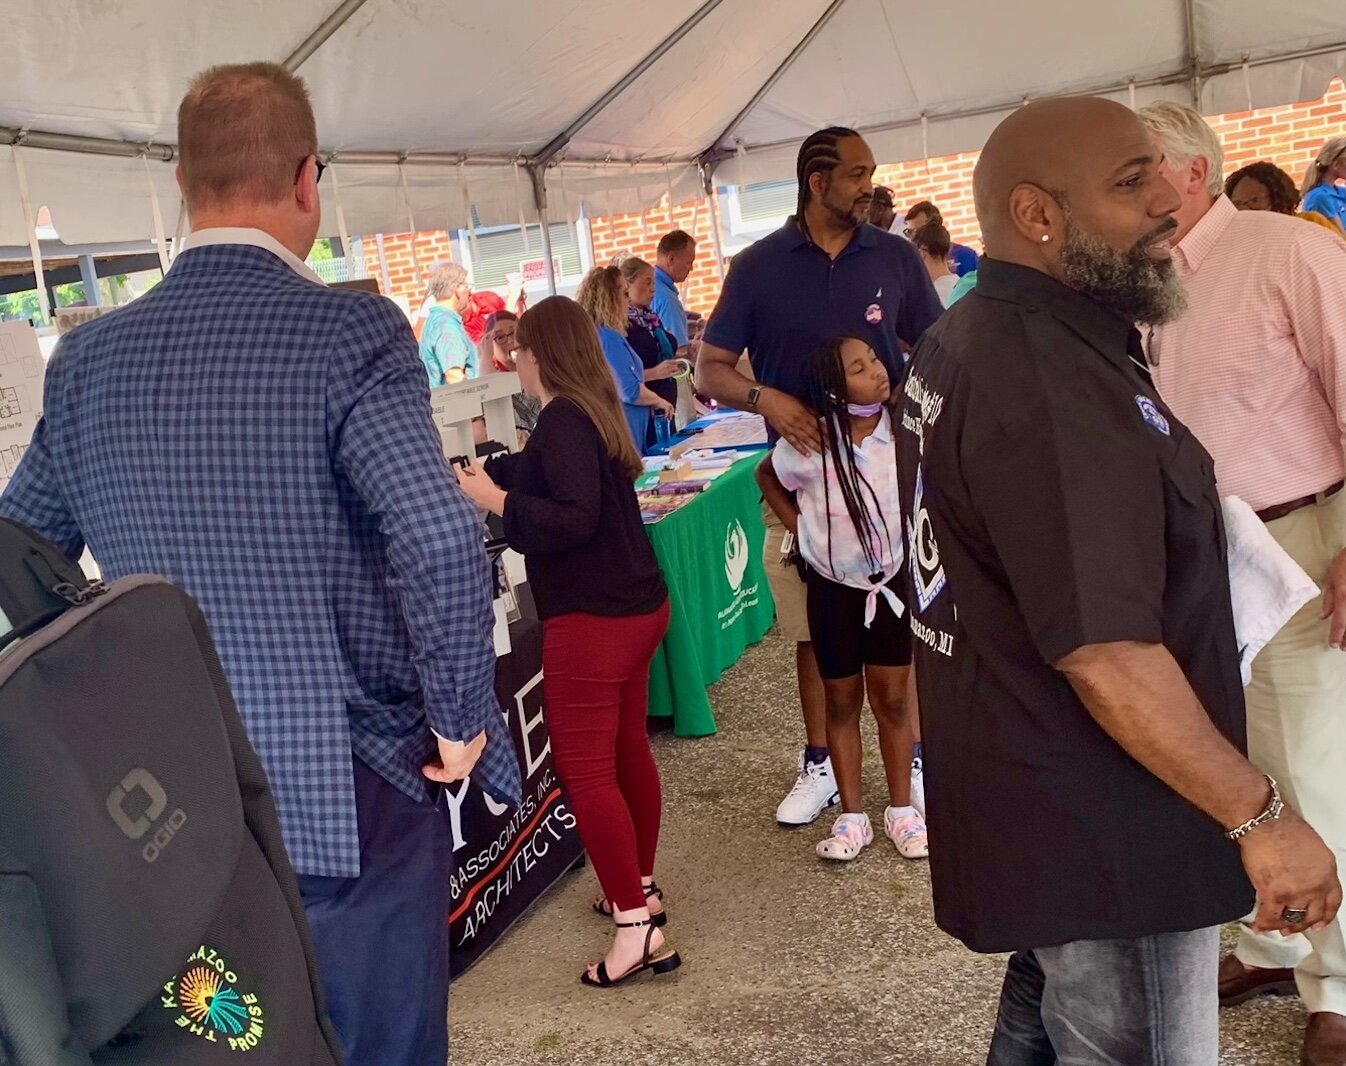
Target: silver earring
{"x":1046,"y":237}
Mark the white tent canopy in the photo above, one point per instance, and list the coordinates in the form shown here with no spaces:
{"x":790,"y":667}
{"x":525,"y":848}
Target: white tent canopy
{"x":427,"y":106}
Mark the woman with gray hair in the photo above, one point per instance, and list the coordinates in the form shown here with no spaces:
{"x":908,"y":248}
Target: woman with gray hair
{"x":446,"y":349}
{"x":1323,"y":191}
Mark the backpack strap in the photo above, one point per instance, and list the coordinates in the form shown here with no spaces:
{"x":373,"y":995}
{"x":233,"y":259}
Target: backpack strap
{"x":37,"y":583}
{"x":34,"y":1027}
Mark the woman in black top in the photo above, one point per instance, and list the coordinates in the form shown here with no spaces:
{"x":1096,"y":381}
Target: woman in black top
{"x":656,"y":347}
{"x":569,"y":506}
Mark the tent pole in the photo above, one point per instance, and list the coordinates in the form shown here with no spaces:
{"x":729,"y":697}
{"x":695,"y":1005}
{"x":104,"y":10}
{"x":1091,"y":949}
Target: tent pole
{"x":714,"y":222}
{"x":558,"y":143}
{"x":538,"y":174}
{"x":45,"y":297}
{"x":1193,"y":51}
{"x":776,"y":75}
{"x":318,"y":37}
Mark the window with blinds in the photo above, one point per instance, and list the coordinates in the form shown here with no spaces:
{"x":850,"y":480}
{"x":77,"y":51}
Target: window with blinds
{"x":501,"y":251}
{"x":766,"y":204}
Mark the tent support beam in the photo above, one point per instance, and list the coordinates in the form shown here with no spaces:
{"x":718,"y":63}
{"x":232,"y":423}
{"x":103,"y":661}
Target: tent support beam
{"x":1193,"y":50}
{"x":708,"y":183}
{"x":538,"y":176}
{"x":1009,"y":104}
{"x":167,"y":153}
{"x":69,"y":142}
{"x":558,"y":143}
{"x":770,"y":83}
{"x":319,"y":37}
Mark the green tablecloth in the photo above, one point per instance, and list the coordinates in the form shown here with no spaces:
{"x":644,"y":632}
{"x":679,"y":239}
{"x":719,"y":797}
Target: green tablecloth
{"x":711,"y":554}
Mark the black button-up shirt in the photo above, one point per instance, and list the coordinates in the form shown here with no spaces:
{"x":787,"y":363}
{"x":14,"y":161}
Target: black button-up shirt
{"x":1052,"y":501}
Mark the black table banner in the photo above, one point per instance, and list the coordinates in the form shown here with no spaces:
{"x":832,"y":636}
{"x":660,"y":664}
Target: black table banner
{"x":506,"y":859}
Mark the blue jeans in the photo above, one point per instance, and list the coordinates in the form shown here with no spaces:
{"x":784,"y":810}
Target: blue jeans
{"x":1146,"y":1002}
{"x":383,"y":938}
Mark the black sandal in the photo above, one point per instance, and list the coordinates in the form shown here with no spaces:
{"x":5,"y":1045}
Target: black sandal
{"x":669,"y":961}
{"x":652,"y":891}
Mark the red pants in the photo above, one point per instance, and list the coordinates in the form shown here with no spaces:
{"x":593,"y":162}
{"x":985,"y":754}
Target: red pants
{"x":596,"y":675}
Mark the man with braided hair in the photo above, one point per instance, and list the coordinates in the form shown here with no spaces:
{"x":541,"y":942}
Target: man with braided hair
{"x":825,"y":273}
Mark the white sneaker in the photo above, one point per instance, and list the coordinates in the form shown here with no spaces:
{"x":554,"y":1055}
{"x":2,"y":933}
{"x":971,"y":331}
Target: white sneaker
{"x":814,"y":791}
{"x":918,"y":786}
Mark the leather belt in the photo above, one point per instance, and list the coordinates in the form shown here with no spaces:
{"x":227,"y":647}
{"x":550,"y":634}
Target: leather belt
{"x":1283,"y":509}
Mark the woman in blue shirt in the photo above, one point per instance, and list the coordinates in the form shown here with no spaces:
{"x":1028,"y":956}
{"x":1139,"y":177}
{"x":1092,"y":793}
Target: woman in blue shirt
{"x":1322,"y":195}
{"x":604,"y":295}
{"x":446,"y":350}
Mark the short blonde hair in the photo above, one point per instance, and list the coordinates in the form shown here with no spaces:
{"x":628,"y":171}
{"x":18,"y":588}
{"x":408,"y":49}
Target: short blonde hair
{"x":444,"y":278}
{"x":244,"y":130}
{"x":633,"y":267}
{"x":1186,"y":137}
{"x":601,"y":295}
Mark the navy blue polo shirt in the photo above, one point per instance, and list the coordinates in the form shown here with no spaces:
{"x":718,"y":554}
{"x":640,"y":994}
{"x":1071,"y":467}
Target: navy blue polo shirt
{"x":785,"y":296}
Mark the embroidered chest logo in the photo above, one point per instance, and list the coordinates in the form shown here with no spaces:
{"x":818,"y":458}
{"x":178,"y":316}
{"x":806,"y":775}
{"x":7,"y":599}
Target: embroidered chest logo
{"x":874,"y":312}
{"x":1149,"y":411}
{"x":735,"y":555}
{"x":927,"y":572}
{"x":211,"y":1006}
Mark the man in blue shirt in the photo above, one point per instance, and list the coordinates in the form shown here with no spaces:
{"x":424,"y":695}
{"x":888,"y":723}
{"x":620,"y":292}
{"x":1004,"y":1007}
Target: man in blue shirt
{"x":962,"y":259}
{"x":673,"y":262}
{"x":826,"y":272}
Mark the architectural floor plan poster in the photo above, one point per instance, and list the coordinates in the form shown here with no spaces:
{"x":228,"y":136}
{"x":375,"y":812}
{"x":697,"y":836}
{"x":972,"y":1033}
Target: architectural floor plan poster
{"x":21,"y":370}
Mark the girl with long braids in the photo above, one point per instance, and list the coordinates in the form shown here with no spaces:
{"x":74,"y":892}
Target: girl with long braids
{"x":842,"y":506}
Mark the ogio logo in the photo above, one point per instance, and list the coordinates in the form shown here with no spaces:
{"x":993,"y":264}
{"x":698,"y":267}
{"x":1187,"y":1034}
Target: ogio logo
{"x":141,"y":792}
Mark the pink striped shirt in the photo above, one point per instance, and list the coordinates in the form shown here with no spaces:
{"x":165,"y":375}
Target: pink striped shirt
{"x":1256,"y":368}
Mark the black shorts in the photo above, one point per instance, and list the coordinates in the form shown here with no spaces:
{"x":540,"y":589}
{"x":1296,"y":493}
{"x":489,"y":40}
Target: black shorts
{"x":841,"y":642}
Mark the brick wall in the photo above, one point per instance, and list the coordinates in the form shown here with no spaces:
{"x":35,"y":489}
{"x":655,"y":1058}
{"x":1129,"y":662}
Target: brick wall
{"x":630,"y":235}
{"x":430,"y":247}
{"x":1289,"y":136}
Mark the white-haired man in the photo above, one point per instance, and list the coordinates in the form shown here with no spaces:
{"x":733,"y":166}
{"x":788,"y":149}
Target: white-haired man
{"x":447,"y":349}
{"x":1257,"y":369}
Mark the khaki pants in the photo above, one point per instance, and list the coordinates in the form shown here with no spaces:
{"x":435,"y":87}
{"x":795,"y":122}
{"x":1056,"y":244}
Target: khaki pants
{"x":787,"y":586}
{"x":1297,"y":734}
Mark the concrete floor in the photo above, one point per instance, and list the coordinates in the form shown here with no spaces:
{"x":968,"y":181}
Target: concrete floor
{"x":786,"y":960}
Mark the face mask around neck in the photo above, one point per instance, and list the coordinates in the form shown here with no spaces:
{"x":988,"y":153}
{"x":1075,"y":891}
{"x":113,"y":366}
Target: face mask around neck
{"x":864,"y":410}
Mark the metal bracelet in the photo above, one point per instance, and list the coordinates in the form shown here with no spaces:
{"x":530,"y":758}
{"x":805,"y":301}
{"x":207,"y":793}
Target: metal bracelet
{"x":1274,"y":810}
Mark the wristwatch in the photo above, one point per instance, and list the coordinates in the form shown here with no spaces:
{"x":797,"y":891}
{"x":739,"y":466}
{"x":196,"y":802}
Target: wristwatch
{"x":754,"y":396}
{"x":1274,"y":810}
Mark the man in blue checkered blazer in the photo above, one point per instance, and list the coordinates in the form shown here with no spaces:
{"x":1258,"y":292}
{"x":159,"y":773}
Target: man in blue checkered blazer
{"x":267,"y":443}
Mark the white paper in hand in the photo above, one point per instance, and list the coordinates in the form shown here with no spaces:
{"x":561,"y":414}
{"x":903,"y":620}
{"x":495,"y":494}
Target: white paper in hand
{"x":1267,"y":587}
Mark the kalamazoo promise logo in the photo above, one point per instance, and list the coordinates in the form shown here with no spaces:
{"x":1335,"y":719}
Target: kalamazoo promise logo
{"x":735,"y":555}
{"x":210,"y":1005}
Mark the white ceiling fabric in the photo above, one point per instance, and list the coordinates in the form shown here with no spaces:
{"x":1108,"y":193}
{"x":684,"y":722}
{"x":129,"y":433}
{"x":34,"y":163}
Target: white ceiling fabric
{"x":493,"y":82}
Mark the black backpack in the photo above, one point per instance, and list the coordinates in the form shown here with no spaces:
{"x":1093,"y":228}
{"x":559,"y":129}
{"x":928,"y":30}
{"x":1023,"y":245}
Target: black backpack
{"x":148,"y":913}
